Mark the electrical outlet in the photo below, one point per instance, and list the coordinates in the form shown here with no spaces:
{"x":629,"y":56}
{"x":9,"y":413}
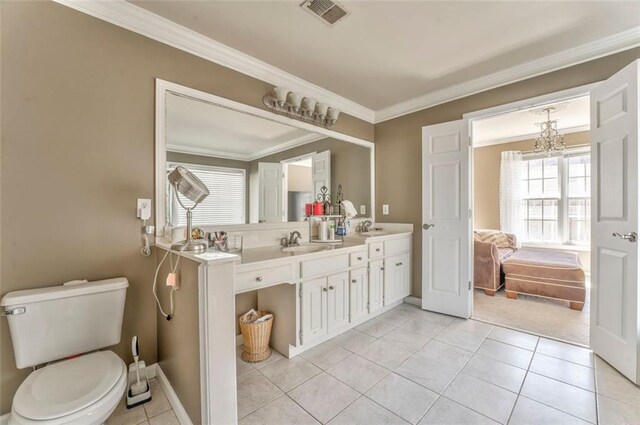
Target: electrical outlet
{"x":144,"y":209}
{"x":363,"y":209}
{"x":385,"y":209}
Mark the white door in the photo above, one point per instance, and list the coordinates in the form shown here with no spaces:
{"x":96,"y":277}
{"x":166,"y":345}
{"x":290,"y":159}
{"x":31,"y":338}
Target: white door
{"x":321,"y":166}
{"x":358,"y":293}
{"x":314,"y":309}
{"x":338,"y":303}
{"x":615,"y":326}
{"x":376,"y":285}
{"x":446,"y":248}
{"x":270,"y":182}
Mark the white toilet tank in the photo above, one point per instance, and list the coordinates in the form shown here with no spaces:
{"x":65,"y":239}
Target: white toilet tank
{"x":56,"y":322}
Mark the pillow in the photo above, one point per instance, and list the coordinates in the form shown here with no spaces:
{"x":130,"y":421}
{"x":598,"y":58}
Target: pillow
{"x":496,"y":237}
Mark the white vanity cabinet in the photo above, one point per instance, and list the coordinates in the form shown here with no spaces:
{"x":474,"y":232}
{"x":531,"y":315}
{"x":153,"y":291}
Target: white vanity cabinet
{"x":376,"y":285}
{"x":358,"y":293}
{"x":313,"y":310}
{"x":396,"y":278}
{"x":338,"y":302}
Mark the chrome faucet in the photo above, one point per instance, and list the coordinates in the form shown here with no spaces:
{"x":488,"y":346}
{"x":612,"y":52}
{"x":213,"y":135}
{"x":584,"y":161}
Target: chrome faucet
{"x":294,"y":238}
{"x":365,"y":226}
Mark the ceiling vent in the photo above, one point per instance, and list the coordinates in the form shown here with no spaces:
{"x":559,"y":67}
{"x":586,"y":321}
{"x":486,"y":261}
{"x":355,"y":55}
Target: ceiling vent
{"x":327,"y":11}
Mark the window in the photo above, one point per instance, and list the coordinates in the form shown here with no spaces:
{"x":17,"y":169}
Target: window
{"x":225,"y":203}
{"x":556,"y":198}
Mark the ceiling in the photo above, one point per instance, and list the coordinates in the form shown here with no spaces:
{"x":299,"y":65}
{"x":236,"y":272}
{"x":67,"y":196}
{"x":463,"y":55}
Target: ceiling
{"x":521,"y":125}
{"x":388,"y":52}
{"x":198,"y":127}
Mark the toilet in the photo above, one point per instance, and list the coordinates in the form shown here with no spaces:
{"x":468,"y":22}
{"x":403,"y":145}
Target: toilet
{"x":64,"y":327}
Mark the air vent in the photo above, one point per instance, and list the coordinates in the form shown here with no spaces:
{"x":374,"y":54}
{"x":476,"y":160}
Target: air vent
{"x":327,"y":11}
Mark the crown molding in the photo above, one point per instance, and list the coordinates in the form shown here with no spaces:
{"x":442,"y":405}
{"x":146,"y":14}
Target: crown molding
{"x":148,"y":24}
{"x":574,"y":56}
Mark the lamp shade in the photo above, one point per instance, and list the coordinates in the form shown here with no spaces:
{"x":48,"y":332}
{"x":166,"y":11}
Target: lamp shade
{"x":185,"y":182}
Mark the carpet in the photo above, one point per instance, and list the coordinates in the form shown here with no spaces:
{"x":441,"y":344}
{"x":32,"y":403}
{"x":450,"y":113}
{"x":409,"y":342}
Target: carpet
{"x":541,"y":316}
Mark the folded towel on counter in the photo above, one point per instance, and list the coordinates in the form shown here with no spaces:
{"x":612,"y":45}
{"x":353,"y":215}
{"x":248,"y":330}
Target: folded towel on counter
{"x":349,"y":210}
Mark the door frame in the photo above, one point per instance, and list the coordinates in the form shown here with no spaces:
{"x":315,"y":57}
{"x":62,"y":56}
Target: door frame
{"x":532,"y":102}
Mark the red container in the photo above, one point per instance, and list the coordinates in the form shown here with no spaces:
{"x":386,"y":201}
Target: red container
{"x":318,"y":208}
{"x":308,"y":209}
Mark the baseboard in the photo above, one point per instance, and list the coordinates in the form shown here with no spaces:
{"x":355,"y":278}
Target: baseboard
{"x":239,"y":340}
{"x":414,"y":301}
{"x":178,"y":409}
{"x":4,"y":419}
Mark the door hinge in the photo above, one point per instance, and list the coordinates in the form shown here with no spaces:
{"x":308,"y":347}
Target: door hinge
{"x":469,"y":285}
{"x":300,"y":336}
{"x":300,"y":293}
{"x":470,"y":143}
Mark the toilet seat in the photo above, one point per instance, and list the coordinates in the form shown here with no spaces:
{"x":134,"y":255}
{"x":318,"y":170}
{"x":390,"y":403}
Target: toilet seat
{"x":88,"y":387}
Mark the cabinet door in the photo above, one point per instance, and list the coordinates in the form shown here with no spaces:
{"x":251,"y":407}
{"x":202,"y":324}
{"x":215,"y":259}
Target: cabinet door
{"x":390,"y":279}
{"x":406,"y":275}
{"x":376,"y":285}
{"x":313,"y":309}
{"x":338,"y":303}
{"x":358,"y":293}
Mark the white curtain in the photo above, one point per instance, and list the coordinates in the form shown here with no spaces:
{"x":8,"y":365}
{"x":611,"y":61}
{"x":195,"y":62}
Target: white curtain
{"x":510,"y":196}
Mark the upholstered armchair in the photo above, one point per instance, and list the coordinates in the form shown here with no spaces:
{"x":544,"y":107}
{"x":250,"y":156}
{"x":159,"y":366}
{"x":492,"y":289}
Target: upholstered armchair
{"x":490,"y":249}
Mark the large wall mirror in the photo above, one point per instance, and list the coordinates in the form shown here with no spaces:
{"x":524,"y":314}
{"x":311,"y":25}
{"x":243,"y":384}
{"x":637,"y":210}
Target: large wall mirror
{"x":259,"y":167}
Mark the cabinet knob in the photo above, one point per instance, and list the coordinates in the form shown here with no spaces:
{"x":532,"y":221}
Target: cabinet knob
{"x":332,"y":287}
{"x":259,"y":279}
{"x":359,"y":258}
{"x":353,"y":281}
{"x":325,"y":289}
{"x":400,"y":263}
{"x":377,"y":249}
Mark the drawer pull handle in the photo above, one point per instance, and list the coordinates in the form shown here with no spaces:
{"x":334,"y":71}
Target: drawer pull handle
{"x":259,"y":279}
{"x":332,"y":287}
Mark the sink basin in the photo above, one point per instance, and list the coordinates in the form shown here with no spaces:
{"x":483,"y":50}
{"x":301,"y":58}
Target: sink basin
{"x":374,"y":232}
{"x":305,"y":249}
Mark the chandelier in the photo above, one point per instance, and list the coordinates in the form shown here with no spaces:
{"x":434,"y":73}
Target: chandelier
{"x":549,"y":140}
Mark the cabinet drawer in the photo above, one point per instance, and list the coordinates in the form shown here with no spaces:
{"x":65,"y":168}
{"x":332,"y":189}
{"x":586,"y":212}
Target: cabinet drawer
{"x":376,"y":250}
{"x":254,"y":279}
{"x":324,"y":266}
{"x":358,"y":258}
{"x":397,"y":246}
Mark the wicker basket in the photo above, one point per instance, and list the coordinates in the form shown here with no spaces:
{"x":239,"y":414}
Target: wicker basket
{"x":256,"y":339}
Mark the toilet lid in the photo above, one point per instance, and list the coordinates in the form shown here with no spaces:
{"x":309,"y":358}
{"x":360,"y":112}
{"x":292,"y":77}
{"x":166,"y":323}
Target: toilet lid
{"x":68,"y":386}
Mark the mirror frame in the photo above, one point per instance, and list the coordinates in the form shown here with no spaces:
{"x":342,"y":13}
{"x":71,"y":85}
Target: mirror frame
{"x":164,"y":87}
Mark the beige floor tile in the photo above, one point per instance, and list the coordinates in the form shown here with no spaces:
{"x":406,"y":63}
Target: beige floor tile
{"x":326,"y":354}
{"x":423,"y":327}
{"x":166,"y":418}
{"x":243,"y":368}
{"x":364,"y":411}
{"x":562,"y":370}
{"x":289,"y":373}
{"x":124,"y":416}
{"x":376,"y":327}
{"x":530,"y":412}
{"x":603,"y":366}
{"x":448,"y":412}
{"x":465,"y":340}
{"x":403,"y":397}
{"x":398,"y":316}
{"x":429,"y":373}
{"x":275,"y":356}
{"x":613,"y":412}
{"x":482,"y":397}
{"x":159,"y":403}
{"x":568,"y":352}
{"x":567,"y":398}
{"x":506,"y":353}
{"x":519,"y":339}
{"x":324,"y":396}
{"x":498,"y":373}
{"x":618,"y":388}
{"x":353,"y":340}
{"x":473,"y":327}
{"x":405,"y":339}
{"x":445,"y":354}
{"x":358,"y":373}
{"x":440,"y":319}
{"x":255,"y":391}
{"x":281,"y":411}
{"x":385,"y":354}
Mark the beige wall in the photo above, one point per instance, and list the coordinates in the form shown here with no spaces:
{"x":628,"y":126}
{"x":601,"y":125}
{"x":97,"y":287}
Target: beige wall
{"x":78,"y":149}
{"x":486,"y":177}
{"x":398,"y":141}
{"x":299,"y":178}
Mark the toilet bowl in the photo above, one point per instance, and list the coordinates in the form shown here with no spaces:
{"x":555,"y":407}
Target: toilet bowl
{"x":82,"y":390}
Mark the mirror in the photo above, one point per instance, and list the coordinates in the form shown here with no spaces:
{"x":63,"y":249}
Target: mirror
{"x":258,"y":169}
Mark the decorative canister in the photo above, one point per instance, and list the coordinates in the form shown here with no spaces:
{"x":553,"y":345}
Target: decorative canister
{"x":308,"y":209}
{"x":318,"y":208}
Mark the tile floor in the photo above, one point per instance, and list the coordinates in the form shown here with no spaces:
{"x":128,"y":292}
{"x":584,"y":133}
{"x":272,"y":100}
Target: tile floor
{"x":158,"y":411}
{"x":418,"y":367}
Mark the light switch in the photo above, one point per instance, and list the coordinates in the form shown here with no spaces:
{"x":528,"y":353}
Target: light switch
{"x":363,"y":209}
{"x":385,"y":209}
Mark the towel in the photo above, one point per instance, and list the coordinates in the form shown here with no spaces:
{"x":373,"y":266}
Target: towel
{"x":349,"y":210}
